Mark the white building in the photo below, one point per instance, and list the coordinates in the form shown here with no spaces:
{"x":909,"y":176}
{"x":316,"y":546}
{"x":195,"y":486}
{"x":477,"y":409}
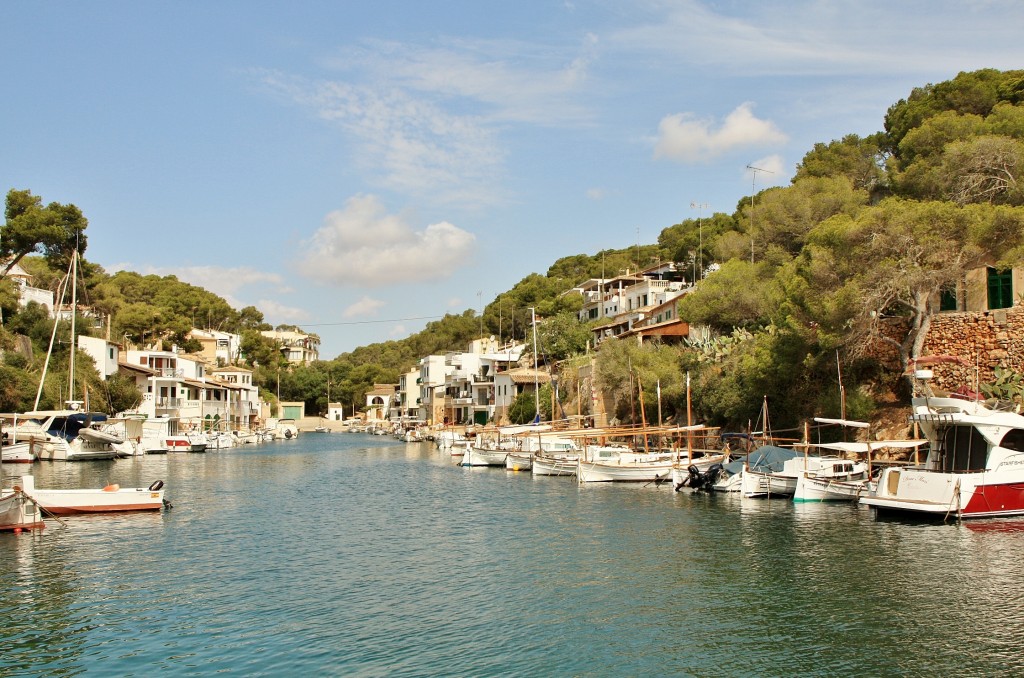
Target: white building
{"x":433,"y":375}
{"x":106,"y":354}
{"x":409,"y":396}
{"x":296,"y":347}
{"x":27,"y":293}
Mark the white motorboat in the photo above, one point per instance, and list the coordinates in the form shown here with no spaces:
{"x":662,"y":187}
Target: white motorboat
{"x":67,"y":435}
{"x":974,"y":467}
{"x":286,"y":429}
{"x":111,"y":498}
{"x":246,"y":437}
{"x":446,"y":439}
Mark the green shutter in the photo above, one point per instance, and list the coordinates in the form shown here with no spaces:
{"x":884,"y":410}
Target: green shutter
{"x":1000,"y":289}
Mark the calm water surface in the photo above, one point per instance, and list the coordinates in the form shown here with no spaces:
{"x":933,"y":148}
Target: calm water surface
{"x":346,"y":554}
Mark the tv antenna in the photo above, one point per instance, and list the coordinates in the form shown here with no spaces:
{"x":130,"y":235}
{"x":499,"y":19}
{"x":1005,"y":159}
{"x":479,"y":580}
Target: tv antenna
{"x":753,"y":190}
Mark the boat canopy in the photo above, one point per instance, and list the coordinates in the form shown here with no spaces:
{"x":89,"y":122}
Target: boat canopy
{"x":765,"y":459}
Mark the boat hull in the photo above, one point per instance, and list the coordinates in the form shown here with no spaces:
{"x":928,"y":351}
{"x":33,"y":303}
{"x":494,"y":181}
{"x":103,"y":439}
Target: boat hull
{"x":552,"y":466}
{"x":107,"y":500}
{"x":17,"y":453}
{"x":809,"y":488}
{"x":18,"y":512}
{"x":757,"y":484}
{"x":948,"y":495}
{"x":518,"y":461}
{"x":474,"y":456}
{"x":604,"y":472}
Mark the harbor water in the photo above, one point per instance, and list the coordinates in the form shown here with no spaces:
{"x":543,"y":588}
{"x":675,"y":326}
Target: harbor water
{"x":355,"y":555}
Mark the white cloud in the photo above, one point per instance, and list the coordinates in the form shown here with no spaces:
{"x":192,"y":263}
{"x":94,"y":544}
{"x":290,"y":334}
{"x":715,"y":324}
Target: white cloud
{"x":398,"y":331}
{"x":455,"y":302}
{"x":686,"y":138}
{"x":836,"y":37}
{"x":595,"y":193}
{"x":276,"y":311}
{"x":363,"y":245}
{"x":426,"y":122}
{"x":366,"y":306}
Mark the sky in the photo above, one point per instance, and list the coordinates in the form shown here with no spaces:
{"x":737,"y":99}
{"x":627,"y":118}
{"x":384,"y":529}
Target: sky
{"x":360,"y":169}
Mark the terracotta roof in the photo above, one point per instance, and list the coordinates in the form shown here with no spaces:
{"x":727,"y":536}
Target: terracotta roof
{"x":141,"y":369}
{"x":525,"y":375}
{"x":382,"y":389}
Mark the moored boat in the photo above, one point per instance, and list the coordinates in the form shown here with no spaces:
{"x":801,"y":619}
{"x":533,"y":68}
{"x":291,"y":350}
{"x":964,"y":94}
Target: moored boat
{"x":111,"y":498}
{"x":974,"y":467}
{"x":67,"y":435}
{"x":838,"y":479}
{"x":18,"y":512}
{"x":483,"y":456}
{"x":519,"y":461}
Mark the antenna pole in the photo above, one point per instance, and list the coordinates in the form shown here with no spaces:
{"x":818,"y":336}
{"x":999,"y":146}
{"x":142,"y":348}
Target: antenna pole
{"x":753,"y":190}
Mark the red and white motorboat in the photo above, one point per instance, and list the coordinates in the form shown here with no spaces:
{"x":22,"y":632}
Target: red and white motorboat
{"x":974,"y":467}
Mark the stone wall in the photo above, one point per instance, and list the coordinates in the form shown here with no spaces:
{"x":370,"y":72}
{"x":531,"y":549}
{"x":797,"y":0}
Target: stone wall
{"x":985,"y":340}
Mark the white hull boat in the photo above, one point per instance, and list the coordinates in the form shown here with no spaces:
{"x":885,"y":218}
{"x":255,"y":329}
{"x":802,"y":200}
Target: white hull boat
{"x":844,"y":479}
{"x":17,"y":453}
{"x":18,"y":512}
{"x":560,"y":465}
{"x":111,"y":498}
{"x":519,"y":461}
{"x":823,"y":488}
{"x":474,"y":456}
{"x":624,"y":471}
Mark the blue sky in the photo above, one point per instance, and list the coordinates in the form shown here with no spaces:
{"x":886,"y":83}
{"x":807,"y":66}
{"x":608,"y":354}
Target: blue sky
{"x":360,"y":168}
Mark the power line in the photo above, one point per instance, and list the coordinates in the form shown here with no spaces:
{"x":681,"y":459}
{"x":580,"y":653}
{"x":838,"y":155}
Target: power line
{"x":370,"y":322}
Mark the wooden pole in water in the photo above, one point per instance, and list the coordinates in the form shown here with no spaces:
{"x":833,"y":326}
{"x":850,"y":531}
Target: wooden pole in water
{"x":643,"y":416}
{"x":689,"y":422}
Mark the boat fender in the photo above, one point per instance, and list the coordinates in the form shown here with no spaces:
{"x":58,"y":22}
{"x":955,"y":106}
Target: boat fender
{"x":112,"y":488}
{"x":157,"y":485}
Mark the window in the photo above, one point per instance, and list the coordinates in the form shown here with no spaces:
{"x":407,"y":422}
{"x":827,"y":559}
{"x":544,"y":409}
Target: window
{"x":1000,"y":289}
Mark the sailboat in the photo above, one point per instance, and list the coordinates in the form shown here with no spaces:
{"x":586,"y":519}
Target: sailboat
{"x":69,"y":434}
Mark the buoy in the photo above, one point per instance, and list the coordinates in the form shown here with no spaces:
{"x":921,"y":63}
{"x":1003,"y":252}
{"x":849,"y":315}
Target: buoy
{"x":17,"y":530}
{"x":112,"y":488}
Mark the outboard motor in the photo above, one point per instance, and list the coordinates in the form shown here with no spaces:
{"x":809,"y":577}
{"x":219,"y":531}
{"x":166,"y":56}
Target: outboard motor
{"x":712,"y":475}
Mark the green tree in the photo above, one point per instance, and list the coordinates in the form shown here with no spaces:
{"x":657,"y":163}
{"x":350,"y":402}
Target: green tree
{"x":861,"y":160}
{"x":562,"y":336}
{"x":55,"y":230}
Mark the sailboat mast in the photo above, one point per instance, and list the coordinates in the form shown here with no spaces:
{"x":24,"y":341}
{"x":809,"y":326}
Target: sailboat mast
{"x":536,"y":376}
{"x":74,"y":308}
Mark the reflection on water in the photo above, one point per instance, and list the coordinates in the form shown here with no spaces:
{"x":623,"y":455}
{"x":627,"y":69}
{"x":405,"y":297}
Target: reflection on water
{"x":347,"y":554}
